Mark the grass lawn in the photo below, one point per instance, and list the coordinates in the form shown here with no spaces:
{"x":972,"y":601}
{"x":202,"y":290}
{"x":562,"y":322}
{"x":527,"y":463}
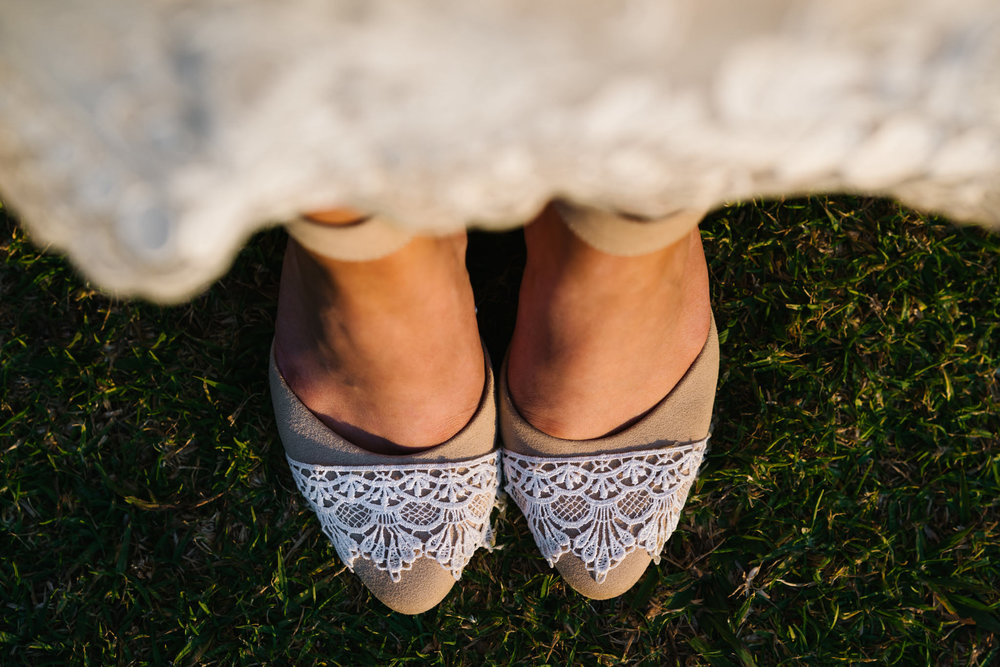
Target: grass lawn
{"x":848,"y":511}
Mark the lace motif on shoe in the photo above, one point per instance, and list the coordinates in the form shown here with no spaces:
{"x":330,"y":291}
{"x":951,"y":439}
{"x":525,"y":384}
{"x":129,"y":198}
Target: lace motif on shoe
{"x":602,"y":508}
{"x":393,"y":516}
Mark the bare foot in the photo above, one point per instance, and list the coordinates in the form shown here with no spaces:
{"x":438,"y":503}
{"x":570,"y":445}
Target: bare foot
{"x":387,"y":352}
{"x":601,"y":339}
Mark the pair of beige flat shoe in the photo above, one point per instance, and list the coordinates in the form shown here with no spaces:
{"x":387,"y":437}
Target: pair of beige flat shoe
{"x":599,"y":510}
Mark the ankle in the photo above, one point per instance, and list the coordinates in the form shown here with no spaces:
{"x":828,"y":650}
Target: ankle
{"x":601,"y":339}
{"x":384,"y":352}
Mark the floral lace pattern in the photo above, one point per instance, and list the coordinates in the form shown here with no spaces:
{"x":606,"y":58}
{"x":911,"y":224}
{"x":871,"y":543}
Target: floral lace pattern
{"x":602,"y":508}
{"x":393,"y":516}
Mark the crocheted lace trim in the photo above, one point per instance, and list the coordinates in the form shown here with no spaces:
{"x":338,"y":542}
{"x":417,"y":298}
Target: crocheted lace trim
{"x":602,"y":508}
{"x":393,"y":516}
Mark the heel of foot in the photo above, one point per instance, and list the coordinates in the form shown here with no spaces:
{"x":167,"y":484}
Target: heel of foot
{"x":616,"y":234}
{"x":359,"y":241}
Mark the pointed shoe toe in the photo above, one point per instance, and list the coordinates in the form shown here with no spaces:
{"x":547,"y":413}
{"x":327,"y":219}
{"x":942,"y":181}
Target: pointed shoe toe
{"x":419,"y":589}
{"x":618,"y":580}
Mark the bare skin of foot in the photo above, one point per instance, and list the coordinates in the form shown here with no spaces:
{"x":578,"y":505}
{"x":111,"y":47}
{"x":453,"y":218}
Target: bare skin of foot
{"x":385,"y":352}
{"x":601,"y":339}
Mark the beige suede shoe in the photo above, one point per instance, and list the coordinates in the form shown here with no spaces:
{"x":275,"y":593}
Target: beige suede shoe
{"x":405,"y":525}
{"x":600,"y":510}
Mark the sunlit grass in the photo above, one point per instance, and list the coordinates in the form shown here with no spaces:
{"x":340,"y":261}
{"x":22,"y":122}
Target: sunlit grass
{"x":848,"y":511}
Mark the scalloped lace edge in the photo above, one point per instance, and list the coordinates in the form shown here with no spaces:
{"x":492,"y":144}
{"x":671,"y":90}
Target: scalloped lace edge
{"x":394,"y":515}
{"x":602,"y":508}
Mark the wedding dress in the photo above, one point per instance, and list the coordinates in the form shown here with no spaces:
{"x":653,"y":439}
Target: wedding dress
{"x":148,"y":140}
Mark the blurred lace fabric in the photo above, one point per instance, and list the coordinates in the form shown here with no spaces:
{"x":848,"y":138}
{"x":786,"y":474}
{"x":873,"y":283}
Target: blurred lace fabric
{"x":148,"y":140}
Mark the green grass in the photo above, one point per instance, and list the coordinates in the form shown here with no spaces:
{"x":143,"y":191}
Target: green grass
{"x":848,"y":511}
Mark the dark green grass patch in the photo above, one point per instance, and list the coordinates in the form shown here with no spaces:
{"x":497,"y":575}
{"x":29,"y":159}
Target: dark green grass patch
{"x":847,"y":512}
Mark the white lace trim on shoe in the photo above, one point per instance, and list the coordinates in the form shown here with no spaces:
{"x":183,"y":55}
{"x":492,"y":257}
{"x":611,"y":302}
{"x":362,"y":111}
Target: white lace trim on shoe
{"x":394,"y":515}
{"x":602,"y":508}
